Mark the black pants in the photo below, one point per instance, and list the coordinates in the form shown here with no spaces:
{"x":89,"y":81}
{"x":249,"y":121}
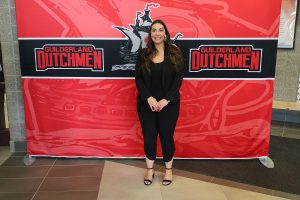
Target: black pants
{"x":162,"y":123}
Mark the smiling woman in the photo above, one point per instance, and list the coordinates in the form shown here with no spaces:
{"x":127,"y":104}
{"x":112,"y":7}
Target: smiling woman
{"x":158,"y":75}
{"x":158,"y":34}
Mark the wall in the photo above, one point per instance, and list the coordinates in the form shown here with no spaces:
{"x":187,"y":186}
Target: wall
{"x":288,"y":70}
{"x":11,"y":67}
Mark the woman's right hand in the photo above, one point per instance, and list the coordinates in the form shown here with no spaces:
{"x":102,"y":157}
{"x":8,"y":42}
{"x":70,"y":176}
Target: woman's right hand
{"x":153,"y":104}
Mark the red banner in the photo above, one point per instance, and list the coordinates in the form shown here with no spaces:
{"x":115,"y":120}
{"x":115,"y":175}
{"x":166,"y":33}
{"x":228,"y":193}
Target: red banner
{"x":77,"y":60}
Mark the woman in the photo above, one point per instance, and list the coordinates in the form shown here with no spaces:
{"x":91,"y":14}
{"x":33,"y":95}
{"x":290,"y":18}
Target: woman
{"x":158,"y":76}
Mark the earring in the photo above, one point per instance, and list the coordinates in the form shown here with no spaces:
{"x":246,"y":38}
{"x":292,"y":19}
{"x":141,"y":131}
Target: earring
{"x":165,"y":39}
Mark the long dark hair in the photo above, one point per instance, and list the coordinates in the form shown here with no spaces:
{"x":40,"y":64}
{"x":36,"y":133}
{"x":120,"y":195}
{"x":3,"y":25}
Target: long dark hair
{"x":173,"y":52}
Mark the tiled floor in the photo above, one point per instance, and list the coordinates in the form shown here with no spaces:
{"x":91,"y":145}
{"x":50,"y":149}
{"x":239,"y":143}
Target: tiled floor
{"x":114,"y":179}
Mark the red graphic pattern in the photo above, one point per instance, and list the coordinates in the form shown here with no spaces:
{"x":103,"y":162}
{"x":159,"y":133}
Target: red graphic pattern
{"x":193,"y":18}
{"x":98,"y":118}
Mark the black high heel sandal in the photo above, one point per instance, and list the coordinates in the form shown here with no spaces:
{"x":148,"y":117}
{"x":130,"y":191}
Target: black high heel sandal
{"x":166,"y":182}
{"x":148,"y":181}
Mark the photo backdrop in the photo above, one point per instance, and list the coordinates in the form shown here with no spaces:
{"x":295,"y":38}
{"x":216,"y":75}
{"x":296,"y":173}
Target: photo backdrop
{"x":78,"y":59}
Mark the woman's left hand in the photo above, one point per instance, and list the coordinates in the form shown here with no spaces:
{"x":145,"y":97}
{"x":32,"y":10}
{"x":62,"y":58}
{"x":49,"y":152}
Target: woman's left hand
{"x":162,"y":103}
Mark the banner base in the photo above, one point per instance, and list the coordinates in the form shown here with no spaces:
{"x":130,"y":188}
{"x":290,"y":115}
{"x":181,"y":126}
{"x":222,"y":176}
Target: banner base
{"x":29,"y":160}
{"x":267,"y":162}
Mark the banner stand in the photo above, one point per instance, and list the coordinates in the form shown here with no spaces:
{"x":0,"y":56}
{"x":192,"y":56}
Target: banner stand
{"x":78,"y":84}
{"x":267,"y":162}
{"x":29,"y":159}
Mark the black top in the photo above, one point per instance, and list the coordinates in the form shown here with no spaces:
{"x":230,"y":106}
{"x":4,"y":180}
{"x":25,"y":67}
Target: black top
{"x":156,"y":81}
{"x":169,"y":81}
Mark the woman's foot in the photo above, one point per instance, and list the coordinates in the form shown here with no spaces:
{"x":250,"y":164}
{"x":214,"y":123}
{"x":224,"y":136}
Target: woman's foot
{"x":149,"y":175}
{"x":168,"y":177}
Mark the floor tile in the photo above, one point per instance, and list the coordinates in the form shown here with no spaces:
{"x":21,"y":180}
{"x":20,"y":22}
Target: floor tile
{"x":16,"y":196}
{"x":113,"y":169}
{"x":132,"y":162}
{"x":19,"y":184}
{"x":19,"y":161}
{"x":23,"y":172}
{"x":125,"y":182}
{"x":195,"y":176}
{"x":190,"y":189}
{"x":70,"y":195}
{"x":71,"y":184}
{"x":277,"y":130}
{"x":238,"y":194}
{"x":79,"y":161}
{"x":286,"y":195}
{"x":242,"y":186}
{"x":139,"y":162}
{"x":76,"y":171}
{"x":3,"y":159}
{"x":4,"y":151}
{"x":292,"y":132}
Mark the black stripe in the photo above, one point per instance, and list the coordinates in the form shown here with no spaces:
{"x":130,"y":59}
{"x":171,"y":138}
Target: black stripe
{"x":112,"y":56}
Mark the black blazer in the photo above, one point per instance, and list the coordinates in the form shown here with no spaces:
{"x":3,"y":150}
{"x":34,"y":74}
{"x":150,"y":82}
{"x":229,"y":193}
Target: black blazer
{"x":171,"y":81}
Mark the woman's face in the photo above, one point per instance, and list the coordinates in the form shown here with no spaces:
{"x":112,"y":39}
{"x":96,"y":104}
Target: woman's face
{"x":158,"y":33}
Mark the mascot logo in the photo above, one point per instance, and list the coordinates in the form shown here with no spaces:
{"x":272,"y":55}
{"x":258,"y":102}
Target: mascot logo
{"x":137,"y":38}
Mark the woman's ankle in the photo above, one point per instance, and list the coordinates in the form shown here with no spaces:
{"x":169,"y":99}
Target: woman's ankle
{"x":169,"y":164}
